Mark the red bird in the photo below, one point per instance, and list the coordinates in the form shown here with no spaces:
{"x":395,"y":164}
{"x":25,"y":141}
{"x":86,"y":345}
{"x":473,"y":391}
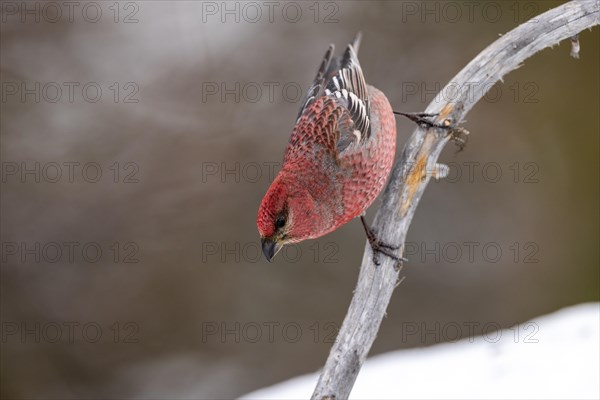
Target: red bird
{"x":337,"y":161}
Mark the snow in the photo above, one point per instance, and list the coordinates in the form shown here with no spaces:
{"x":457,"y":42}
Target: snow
{"x":558,"y":360}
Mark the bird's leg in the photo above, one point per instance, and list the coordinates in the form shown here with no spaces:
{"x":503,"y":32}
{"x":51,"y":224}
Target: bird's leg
{"x":423,"y":120}
{"x":379,"y":247}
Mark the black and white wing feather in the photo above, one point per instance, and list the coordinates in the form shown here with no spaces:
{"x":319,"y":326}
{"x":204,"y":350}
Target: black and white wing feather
{"x":318,"y":84}
{"x":349,"y":89}
{"x":341,"y":79}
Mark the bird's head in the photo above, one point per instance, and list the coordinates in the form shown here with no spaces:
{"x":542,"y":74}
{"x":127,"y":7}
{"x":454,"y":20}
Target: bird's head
{"x":287,"y":214}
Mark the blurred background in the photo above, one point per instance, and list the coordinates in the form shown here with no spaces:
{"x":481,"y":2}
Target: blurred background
{"x":137,"y":141}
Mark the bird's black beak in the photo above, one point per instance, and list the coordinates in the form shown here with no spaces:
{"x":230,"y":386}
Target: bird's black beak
{"x":270,"y":248}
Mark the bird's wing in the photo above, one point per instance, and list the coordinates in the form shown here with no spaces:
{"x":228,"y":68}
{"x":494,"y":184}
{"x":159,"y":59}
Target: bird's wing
{"x":349,"y":90}
{"x":341,"y":79}
{"x":318,"y":84}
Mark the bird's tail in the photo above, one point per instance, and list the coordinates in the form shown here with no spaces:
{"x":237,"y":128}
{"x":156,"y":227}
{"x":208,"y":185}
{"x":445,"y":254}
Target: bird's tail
{"x":356,"y":42}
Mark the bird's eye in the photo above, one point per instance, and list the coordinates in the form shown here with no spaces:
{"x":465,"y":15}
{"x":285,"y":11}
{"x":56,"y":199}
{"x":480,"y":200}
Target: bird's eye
{"x":279,"y":222}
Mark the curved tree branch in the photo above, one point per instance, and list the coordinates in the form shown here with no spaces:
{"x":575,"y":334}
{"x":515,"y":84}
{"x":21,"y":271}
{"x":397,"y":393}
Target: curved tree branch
{"x":411,"y":175}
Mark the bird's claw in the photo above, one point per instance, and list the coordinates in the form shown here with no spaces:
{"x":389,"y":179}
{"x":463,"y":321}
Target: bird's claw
{"x":422,"y":119}
{"x":458,"y":133}
{"x":377,"y":246}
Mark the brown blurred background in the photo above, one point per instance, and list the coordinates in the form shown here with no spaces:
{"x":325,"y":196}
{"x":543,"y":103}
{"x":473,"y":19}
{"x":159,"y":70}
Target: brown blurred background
{"x":195,"y":110}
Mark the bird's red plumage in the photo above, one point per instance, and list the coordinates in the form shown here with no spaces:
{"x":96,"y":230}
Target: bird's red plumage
{"x":332,"y":171}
